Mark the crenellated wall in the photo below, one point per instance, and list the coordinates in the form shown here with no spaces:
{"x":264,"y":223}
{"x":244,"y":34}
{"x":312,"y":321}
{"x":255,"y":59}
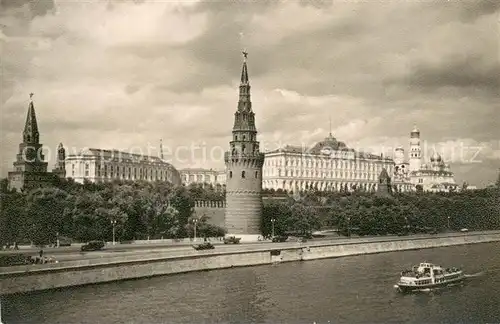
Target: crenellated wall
{"x":72,"y":273}
{"x":214,"y":210}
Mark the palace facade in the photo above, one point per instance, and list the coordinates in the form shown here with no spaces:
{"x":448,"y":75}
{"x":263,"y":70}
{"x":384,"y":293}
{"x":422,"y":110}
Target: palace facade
{"x":99,"y":165}
{"x":328,"y":166}
{"x":202,"y":176}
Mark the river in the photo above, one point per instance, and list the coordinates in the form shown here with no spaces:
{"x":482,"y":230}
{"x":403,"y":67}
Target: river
{"x":356,"y":289}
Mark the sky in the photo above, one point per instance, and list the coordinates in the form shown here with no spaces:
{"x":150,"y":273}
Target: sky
{"x":125,"y":74}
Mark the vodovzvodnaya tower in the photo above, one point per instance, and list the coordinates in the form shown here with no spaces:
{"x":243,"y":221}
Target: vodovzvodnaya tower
{"x":244,"y":163}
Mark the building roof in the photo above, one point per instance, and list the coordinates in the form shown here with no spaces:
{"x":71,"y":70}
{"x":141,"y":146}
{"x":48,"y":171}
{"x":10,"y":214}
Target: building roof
{"x":119,"y":155}
{"x":326,"y":147}
{"x":200,"y":170}
{"x":31,"y":133}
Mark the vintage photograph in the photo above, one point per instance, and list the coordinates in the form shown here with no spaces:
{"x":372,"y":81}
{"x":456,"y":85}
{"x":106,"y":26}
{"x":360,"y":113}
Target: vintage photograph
{"x":249,"y":161}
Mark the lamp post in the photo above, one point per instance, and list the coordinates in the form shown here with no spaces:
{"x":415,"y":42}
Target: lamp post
{"x":194,"y":222}
{"x":349,"y":226}
{"x":113,"y":222}
{"x":272,"y":226}
{"x":57,"y":239}
{"x":448,"y":223}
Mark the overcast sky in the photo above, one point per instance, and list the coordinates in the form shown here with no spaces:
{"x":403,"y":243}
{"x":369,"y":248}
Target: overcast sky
{"x":123,"y":74}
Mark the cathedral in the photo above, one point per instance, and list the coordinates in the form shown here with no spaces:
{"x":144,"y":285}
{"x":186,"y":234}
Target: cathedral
{"x":434,"y":176}
{"x":244,"y":163}
{"x":30,"y":168}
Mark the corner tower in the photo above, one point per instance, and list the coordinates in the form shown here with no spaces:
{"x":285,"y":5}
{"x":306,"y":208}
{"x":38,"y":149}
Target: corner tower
{"x":244,"y":163}
{"x":415,"y":150}
{"x":30,"y":168}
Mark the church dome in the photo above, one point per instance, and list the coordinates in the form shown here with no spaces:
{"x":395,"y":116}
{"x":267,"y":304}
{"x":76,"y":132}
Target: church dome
{"x":436,"y":157}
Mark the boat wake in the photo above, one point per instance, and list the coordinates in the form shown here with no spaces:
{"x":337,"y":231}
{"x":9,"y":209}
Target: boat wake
{"x":473,"y":275}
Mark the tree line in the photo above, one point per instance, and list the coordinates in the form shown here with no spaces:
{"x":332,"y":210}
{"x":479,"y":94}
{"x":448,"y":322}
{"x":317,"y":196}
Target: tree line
{"x":90,"y":211}
{"x":370,"y":214}
{"x":142,"y":210}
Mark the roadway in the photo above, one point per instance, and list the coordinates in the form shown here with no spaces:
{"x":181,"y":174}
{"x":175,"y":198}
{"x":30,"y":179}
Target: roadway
{"x":72,"y":253}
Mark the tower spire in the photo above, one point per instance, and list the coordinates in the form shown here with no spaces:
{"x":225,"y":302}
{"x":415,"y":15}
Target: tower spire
{"x":244,"y":103}
{"x":161,"y":149}
{"x":244,"y":71}
{"x":330,"y":118}
{"x":30,"y":133}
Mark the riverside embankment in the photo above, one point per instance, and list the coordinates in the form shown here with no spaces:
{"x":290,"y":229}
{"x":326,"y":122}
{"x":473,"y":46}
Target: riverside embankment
{"x":111,"y":268}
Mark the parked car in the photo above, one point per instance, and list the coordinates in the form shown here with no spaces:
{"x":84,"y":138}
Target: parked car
{"x":204,"y":246}
{"x":63,"y":241}
{"x":232,"y":240}
{"x":277,"y":239}
{"x":464,"y":230}
{"x":93,"y":246}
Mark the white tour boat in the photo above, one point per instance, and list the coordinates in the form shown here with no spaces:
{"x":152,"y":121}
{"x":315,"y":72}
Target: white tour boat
{"x":427,"y":276}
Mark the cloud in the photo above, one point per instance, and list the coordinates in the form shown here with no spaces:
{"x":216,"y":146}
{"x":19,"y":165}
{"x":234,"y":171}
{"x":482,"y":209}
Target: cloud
{"x":124,"y":74}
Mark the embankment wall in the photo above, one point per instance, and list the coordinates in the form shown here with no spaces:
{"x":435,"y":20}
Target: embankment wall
{"x":72,"y":273}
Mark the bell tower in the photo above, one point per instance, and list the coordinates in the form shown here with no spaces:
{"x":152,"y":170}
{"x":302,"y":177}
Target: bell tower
{"x":244,"y":163}
{"x":415,"y":150}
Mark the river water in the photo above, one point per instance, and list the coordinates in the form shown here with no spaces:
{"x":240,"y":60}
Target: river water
{"x":355,"y":289}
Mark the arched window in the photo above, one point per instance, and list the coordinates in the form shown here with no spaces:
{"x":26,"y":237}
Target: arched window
{"x":256,"y":174}
{"x":244,"y":137}
{"x":230,"y":174}
{"x":243,"y":174}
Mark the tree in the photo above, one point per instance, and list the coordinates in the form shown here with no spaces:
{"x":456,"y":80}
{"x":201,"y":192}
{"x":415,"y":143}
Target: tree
{"x":46,"y":211}
{"x":12,"y":218}
{"x":497,"y":183}
{"x":184,"y":204}
{"x":303,"y":219}
{"x":279,"y":211}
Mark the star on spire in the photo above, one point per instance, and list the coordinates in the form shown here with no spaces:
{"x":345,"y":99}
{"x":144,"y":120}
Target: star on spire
{"x":31,"y":96}
{"x":245,"y":55}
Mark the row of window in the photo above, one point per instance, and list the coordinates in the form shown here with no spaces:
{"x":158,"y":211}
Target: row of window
{"x":243,"y":174}
{"x":126,"y":173}
{"x":244,"y":138}
{"x":199,"y":178}
{"x":317,"y":174}
{"x":322,"y":164}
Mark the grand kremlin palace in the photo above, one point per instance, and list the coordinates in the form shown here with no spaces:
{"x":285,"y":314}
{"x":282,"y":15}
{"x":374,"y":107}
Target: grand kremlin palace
{"x":328,"y":165}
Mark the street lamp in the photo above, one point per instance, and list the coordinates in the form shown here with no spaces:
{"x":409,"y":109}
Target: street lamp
{"x":272,"y":226}
{"x":349,"y":226}
{"x":57,"y":239}
{"x":113,"y":222}
{"x":448,"y":222}
{"x":194,"y":222}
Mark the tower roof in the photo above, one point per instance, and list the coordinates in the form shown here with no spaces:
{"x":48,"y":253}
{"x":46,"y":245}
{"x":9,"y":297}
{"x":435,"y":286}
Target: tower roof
{"x":30,"y":133}
{"x":244,"y":104}
{"x":383,"y":175}
{"x":244,"y":70}
{"x":415,"y":129}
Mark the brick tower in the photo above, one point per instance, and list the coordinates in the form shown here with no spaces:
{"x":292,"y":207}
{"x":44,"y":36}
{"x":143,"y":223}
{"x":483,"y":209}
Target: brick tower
{"x":244,"y":164}
{"x":30,"y":169}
